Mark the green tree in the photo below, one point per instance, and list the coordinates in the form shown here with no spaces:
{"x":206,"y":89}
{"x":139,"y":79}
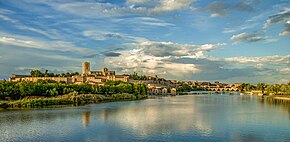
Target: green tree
{"x":46,"y":73}
{"x":53,"y":92}
{"x":26,"y":89}
{"x":143,"y":89}
{"x":186,"y":88}
{"x":261,"y":86}
{"x":36,"y":73}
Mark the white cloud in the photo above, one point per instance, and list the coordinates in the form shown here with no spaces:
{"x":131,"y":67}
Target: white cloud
{"x":51,"y":33}
{"x":284,"y":33}
{"x":244,"y":37}
{"x":101,"y":35}
{"x":157,"y":58}
{"x":146,"y":21}
{"x":209,"y":47}
{"x":180,"y":68}
{"x":171,"y":5}
{"x":285,"y":70}
{"x":129,"y":2}
{"x":220,"y":8}
{"x":85,"y":9}
{"x":159,"y":6}
{"x":27,"y":42}
{"x":284,"y":80}
{"x":266,"y":59}
{"x":138,"y":61}
{"x":282,"y":16}
{"x":161,"y":49}
{"x":6,"y":11}
{"x":98,"y":9}
{"x":6,"y":18}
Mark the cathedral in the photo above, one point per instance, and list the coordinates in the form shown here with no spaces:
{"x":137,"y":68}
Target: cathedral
{"x":87,"y":76}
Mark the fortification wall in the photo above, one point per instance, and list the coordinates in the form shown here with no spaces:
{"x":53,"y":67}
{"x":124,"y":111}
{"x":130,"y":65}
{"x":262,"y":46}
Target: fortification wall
{"x":35,"y":79}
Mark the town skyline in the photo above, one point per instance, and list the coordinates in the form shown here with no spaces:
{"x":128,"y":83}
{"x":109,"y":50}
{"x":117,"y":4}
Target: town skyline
{"x":226,"y":41}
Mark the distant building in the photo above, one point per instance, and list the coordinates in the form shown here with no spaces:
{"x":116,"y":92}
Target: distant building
{"x":86,"y":68}
{"x":88,"y":76}
{"x":237,"y":85}
{"x":205,"y":84}
{"x":164,"y":91}
{"x":173,"y":91}
{"x":15,"y":78}
{"x":194,"y":83}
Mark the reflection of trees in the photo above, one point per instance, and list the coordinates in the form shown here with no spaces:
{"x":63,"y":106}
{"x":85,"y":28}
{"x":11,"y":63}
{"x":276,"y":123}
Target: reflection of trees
{"x":285,"y":104}
{"x":273,"y":101}
{"x":25,"y":117}
{"x":86,"y":118}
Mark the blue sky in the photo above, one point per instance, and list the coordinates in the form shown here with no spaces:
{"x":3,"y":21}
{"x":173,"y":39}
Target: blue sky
{"x":229,"y":41}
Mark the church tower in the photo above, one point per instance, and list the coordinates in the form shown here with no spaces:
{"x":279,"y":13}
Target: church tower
{"x":86,"y":68}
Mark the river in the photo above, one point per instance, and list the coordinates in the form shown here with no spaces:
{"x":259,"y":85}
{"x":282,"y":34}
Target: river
{"x":183,"y":118}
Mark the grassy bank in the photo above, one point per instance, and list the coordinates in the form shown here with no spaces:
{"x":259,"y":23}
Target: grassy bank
{"x":80,"y":99}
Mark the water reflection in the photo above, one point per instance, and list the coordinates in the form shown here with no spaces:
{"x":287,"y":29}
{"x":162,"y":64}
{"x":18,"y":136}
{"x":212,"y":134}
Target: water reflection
{"x":183,"y":118}
{"x":14,"y":117}
{"x":247,"y":137}
{"x":86,"y":118}
{"x":162,"y":116}
{"x":284,"y":104}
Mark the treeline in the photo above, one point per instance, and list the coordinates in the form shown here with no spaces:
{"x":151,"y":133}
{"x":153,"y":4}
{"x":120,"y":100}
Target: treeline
{"x":268,"y":88}
{"x":282,"y":89}
{"x":49,"y":88}
{"x":38,"y":73}
{"x":135,"y":76}
{"x":72,"y":99}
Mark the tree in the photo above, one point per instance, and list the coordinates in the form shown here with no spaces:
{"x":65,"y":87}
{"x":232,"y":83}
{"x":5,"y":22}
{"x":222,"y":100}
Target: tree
{"x":53,"y":92}
{"x":26,"y":89}
{"x":143,"y":89}
{"x":36,"y":73}
{"x":46,"y":73}
{"x":261,"y":86}
{"x":273,"y":88}
{"x":186,"y":87}
{"x":248,"y":87}
{"x":135,"y":76}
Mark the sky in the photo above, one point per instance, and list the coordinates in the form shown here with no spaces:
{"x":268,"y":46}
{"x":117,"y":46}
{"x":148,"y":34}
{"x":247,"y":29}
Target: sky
{"x":198,"y":40}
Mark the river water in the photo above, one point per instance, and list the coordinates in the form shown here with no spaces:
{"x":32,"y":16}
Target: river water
{"x":182,"y":118}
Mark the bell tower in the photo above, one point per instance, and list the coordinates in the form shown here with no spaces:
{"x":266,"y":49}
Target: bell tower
{"x":86,"y":68}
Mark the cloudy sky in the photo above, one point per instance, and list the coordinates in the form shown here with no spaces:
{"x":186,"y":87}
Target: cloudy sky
{"x":229,"y":41}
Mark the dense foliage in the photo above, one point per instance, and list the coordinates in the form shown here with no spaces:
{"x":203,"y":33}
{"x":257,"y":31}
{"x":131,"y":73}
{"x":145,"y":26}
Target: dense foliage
{"x":247,"y":87}
{"x":282,"y":89}
{"x":187,"y":88}
{"x":38,"y":73}
{"x":278,"y":89}
{"x":73,"y":98}
{"x":135,"y":76}
{"x":48,"y":88}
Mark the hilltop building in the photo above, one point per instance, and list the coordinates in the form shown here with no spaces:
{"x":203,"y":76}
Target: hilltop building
{"x":154,"y":84}
{"x":86,"y":67}
{"x":87,"y":76}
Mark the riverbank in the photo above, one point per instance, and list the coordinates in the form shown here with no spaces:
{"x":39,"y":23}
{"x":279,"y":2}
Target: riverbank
{"x":76,"y":100}
{"x":282,"y":98}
